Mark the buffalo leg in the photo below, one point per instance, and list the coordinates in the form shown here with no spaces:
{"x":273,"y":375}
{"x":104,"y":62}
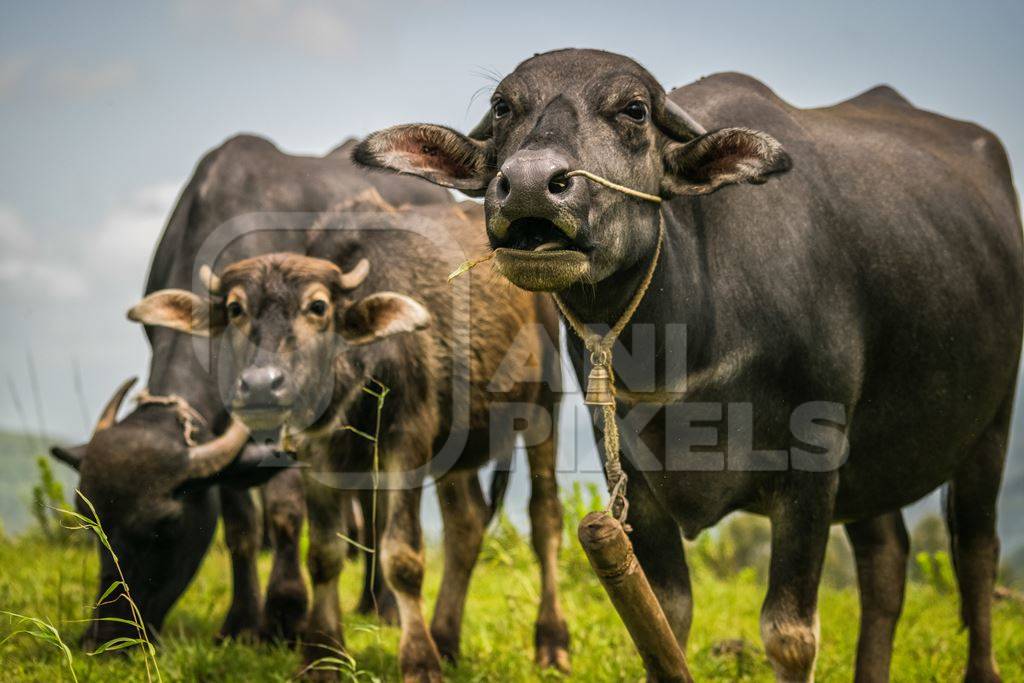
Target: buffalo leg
{"x":286,"y":603}
{"x":243,"y":537}
{"x":376,"y":597}
{"x":323,"y":633}
{"x":464,"y":512}
{"x":880,"y":547}
{"x":789,"y":617}
{"x":402,"y":561}
{"x":971,"y":515}
{"x":551,"y":634}
{"x":355,"y":525}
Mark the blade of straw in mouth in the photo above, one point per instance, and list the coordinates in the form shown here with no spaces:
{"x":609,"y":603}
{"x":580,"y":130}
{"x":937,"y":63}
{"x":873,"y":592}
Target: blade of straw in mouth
{"x":469,"y":265}
{"x":472,"y":263}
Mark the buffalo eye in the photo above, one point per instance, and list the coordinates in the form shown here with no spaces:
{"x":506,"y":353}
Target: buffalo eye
{"x":636,"y":110}
{"x":318,"y":307}
{"x":235,"y":309}
{"x":500,"y":108}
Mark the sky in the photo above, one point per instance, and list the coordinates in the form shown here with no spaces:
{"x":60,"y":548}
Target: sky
{"x":104,"y":111}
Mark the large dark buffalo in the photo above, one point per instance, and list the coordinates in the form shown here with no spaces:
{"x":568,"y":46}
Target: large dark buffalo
{"x":466,"y":369}
{"x":855,"y":320}
{"x":157,"y":496}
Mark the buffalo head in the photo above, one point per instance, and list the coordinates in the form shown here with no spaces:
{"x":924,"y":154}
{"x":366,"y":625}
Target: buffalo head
{"x":286,"y":322}
{"x":155,"y":498}
{"x":575,"y":110}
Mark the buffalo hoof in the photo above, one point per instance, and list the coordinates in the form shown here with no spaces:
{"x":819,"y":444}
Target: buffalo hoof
{"x":316,"y":667}
{"x":240,"y":625}
{"x":447,"y":646}
{"x":422,"y":675}
{"x":982,"y":676}
{"x":385,"y":607}
{"x":284,"y":614}
{"x":554,"y":657}
{"x":420,"y":662}
{"x":552,"y":645}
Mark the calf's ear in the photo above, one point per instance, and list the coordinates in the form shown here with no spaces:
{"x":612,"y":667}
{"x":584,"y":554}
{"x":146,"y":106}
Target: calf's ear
{"x":722,"y":157}
{"x":381,"y":315}
{"x":438,"y":154}
{"x":179,"y":310}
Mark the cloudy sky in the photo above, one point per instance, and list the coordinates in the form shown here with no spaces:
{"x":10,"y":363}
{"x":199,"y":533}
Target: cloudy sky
{"x":105,"y":110}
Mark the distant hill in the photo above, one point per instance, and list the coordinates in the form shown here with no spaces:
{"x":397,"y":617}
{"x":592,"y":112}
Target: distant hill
{"x":19,"y":472}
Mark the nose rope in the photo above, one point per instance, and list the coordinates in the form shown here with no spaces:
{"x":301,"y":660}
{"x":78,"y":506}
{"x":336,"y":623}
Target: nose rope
{"x":186,"y":414}
{"x":474,"y":262}
{"x":613,"y":186}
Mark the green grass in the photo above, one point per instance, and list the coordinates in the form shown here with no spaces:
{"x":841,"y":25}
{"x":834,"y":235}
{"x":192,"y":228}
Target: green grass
{"x":54,"y":582}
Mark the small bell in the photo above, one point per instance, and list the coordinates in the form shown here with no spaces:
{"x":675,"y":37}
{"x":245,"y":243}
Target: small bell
{"x":600,"y":391}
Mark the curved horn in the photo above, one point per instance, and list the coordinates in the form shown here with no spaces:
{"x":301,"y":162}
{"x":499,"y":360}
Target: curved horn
{"x":355,"y":277}
{"x":483,"y":130}
{"x":109,"y":414}
{"x":207,"y":459}
{"x":209,"y":280}
{"x":677,"y":123}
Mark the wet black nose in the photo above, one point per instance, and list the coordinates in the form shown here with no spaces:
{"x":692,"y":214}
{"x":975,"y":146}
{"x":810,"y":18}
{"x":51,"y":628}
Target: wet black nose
{"x":263,"y":385}
{"x":534,"y":183}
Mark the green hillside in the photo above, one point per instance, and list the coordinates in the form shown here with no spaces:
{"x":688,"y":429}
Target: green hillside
{"x":19,"y":472}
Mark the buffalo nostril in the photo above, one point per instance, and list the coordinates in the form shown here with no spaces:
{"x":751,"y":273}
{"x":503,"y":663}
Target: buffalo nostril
{"x":558,"y":184}
{"x":243,"y":386}
{"x":503,"y":187}
{"x":277,"y":382}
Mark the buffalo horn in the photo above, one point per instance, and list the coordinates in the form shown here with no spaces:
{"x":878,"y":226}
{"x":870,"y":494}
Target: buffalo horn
{"x":109,"y":414}
{"x":209,"y":279}
{"x":207,"y":459}
{"x":679,"y":124}
{"x":355,"y":277}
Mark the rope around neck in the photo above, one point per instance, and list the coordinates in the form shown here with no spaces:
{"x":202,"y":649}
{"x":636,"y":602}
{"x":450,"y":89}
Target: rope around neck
{"x":600,"y":349}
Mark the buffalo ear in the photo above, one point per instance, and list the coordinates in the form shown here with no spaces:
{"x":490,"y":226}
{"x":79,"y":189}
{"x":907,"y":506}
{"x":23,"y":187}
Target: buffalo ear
{"x":381,"y":315}
{"x":722,"y":157}
{"x":179,"y":310}
{"x":438,"y":154}
{"x":72,"y":456}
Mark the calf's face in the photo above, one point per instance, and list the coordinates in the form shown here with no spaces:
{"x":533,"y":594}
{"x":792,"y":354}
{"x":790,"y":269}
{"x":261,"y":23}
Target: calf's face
{"x":287,"y":323}
{"x":575,"y":110}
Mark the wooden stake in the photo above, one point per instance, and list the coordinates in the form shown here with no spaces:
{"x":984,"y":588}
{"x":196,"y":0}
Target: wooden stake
{"x":611,"y":556}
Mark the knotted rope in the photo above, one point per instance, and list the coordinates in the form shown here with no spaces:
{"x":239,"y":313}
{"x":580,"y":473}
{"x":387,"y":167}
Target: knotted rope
{"x":600,"y":349}
{"x":186,"y":414}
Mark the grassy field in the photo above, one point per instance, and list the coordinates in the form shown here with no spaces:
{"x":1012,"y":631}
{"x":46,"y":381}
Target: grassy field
{"x":53,"y":580}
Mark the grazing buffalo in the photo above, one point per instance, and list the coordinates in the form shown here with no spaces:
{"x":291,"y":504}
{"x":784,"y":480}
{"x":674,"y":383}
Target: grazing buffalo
{"x":153,"y":476}
{"x":850,"y":327}
{"x":314,"y":340}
